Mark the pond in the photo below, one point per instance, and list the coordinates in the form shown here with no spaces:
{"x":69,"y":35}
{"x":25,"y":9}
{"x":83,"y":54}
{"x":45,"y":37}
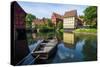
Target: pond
{"x":72,"y":47}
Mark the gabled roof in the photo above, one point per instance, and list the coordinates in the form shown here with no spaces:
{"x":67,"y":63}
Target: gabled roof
{"x":57,"y":15}
{"x":40,"y":21}
{"x":72,"y":13}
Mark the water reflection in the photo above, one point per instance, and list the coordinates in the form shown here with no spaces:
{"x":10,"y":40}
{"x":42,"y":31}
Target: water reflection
{"x":71,"y":48}
{"x":69,"y":39}
{"x":90,"y":49}
{"x":34,"y":35}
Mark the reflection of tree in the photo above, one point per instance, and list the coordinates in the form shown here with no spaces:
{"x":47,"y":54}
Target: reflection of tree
{"x":80,"y":37}
{"x":43,"y":35}
{"x":59,"y":36}
{"x":30,"y":39}
{"x":89,"y":51}
{"x":90,"y":46}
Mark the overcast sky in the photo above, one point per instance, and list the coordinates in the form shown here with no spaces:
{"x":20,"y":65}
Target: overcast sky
{"x":41,"y":10}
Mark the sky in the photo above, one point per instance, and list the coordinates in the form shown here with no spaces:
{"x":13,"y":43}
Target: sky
{"x":41,"y":10}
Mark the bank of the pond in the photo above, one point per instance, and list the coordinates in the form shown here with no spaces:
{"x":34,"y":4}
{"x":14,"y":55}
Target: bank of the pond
{"x":86,"y":31}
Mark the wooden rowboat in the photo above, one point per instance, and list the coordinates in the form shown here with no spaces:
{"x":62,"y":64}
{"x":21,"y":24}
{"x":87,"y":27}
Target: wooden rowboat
{"x":46,"y":49}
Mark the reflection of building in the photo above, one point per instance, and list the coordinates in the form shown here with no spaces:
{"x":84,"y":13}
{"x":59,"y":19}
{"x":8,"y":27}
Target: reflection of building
{"x":19,"y":47}
{"x":69,"y":39}
{"x":56,"y":18}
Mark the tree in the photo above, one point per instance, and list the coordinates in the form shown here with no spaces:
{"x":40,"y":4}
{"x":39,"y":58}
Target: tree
{"x":29,"y":18}
{"x":90,"y":16}
{"x":81,"y":16}
{"x":60,"y":25}
{"x":49,"y":23}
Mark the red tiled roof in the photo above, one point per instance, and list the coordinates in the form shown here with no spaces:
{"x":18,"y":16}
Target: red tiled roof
{"x":71,"y":13}
{"x":57,"y":15}
{"x":39,"y":21}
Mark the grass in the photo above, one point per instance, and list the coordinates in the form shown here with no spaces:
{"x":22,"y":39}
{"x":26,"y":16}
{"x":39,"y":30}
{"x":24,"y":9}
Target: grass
{"x":86,"y":30}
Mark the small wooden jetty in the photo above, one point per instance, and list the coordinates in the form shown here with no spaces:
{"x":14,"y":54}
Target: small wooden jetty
{"x":46,"y":48}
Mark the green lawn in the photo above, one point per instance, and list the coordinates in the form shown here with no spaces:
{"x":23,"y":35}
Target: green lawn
{"x":86,"y":30}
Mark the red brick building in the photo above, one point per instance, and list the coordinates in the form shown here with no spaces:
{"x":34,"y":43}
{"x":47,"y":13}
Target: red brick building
{"x":37,"y":21}
{"x":56,"y":18}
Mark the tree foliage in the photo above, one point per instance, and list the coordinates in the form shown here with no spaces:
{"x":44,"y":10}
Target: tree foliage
{"x":90,"y":15}
{"x":81,"y":16}
{"x":49,"y":22}
{"x":29,"y":18}
{"x":60,"y":25}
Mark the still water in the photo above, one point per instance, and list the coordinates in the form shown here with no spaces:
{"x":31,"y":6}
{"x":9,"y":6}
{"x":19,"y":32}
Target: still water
{"x":72,"y":47}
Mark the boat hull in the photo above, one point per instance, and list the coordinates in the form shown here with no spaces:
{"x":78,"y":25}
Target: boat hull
{"x":46,"y":55}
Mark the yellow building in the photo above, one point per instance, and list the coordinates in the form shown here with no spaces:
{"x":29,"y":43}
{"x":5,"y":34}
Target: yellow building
{"x":70,"y":19}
